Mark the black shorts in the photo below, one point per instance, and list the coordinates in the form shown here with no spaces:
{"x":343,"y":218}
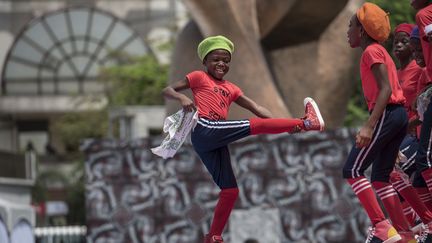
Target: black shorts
{"x":210,"y":140}
{"x":383,"y":148}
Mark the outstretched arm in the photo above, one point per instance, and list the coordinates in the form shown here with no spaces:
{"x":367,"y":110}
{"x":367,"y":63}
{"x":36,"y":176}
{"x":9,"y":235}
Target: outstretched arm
{"x":253,"y":107}
{"x":172,"y":92}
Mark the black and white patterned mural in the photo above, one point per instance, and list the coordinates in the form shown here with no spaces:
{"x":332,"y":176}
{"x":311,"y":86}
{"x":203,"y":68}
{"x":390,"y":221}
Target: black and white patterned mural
{"x":291,"y":190}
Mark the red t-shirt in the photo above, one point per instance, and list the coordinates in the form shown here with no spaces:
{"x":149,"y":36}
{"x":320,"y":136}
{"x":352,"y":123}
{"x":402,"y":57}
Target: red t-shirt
{"x":423,"y":18}
{"x":375,"y":53}
{"x":424,"y":81}
{"x":408,"y":79}
{"x":212,"y":97}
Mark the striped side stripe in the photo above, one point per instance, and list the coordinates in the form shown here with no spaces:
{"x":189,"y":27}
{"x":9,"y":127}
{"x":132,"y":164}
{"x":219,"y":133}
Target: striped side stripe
{"x":410,"y":162}
{"x":428,"y":152}
{"x":223,"y":124}
{"x":406,"y":148}
{"x":363,"y":152}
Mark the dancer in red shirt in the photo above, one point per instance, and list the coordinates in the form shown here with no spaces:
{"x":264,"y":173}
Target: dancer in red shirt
{"x":213,"y":96}
{"x":378,"y":141}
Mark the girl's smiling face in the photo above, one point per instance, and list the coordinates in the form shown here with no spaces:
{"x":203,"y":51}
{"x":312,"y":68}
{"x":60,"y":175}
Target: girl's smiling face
{"x":217,"y":63}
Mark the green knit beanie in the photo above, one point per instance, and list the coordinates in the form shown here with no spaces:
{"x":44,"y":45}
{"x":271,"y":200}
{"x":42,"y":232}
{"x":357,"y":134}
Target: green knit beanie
{"x":212,"y":43}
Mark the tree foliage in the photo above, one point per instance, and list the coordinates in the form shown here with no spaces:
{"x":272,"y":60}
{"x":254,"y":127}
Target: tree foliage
{"x":134,"y":81}
{"x":357,"y":111}
{"x":138,"y":81}
{"x":399,"y":11}
{"x":73,"y":127}
{"x":76,"y":194}
{"x":73,"y":186}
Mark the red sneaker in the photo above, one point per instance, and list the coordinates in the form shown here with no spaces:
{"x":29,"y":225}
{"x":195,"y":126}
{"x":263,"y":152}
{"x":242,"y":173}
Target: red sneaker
{"x":313,"y":119}
{"x":383,"y":232}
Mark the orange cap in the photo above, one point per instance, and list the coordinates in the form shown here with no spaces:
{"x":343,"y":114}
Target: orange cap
{"x":375,"y":21}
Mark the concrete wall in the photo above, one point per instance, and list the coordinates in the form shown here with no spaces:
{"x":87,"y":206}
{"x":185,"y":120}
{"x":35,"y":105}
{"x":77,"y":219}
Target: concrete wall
{"x":291,"y":190}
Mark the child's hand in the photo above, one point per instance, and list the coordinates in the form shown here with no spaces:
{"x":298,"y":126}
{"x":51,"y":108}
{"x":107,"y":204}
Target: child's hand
{"x":364,"y":136}
{"x":187,"y":104}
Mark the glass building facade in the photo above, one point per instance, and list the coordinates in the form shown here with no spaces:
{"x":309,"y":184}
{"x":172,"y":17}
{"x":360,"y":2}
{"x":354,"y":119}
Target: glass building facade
{"x":62,"y":52}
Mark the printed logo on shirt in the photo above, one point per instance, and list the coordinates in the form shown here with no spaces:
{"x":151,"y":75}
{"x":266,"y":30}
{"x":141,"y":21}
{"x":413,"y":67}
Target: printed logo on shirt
{"x":222,"y":104}
{"x":214,"y":115}
{"x":221,"y":91}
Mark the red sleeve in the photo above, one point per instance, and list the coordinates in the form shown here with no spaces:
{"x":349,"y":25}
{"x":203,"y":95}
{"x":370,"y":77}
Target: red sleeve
{"x":372,"y":56}
{"x":194,"y":78}
{"x":422,"y":21}
{"x":237,"y":92}
{"x":423,"y":81}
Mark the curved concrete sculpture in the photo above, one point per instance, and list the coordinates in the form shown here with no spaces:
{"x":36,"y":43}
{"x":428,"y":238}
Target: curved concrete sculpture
{"x":285,"y":51}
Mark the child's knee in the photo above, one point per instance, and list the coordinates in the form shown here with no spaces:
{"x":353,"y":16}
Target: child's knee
{"x":230,"y":193}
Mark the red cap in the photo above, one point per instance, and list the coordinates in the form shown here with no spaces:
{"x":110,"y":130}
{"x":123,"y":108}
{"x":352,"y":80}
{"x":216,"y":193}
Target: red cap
{"x":404,"y":27}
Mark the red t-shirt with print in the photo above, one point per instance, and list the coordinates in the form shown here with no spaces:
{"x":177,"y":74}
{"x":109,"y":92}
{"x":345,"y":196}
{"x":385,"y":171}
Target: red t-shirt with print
{"x":374,"y":54}
{"x":212,"y":97}
{"x":408,"y":79}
